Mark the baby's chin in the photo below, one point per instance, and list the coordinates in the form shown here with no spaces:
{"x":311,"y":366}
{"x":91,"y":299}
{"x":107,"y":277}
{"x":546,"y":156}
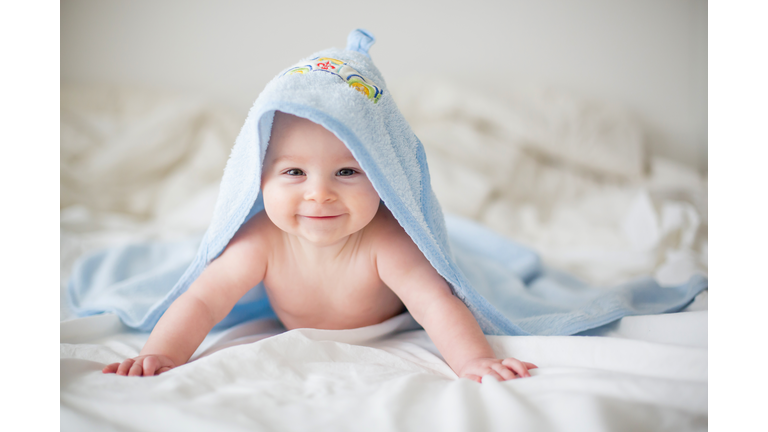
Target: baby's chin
{"x":317,"y":232}
{"x":323,"y":238}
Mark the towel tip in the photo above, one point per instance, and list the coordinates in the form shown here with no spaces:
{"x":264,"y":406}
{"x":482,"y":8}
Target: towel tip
{"x":360,"y":40}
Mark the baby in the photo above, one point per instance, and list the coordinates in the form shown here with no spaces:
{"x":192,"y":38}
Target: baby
{"x":330,"y":255}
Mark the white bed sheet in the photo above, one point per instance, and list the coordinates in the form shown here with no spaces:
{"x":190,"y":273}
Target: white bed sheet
{"x":388,"y":377}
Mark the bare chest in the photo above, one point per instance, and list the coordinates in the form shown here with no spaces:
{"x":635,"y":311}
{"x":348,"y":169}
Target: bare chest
{"x":342,"y":294}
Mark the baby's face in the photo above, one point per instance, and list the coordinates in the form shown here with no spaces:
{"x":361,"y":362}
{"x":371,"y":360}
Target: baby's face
{"x":312,"y":185}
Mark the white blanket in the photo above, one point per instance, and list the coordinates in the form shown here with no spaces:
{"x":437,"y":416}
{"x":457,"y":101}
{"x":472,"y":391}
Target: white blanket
{"x":377,"y":378}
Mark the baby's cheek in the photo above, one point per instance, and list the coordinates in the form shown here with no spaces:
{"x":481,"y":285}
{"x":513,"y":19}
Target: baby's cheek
{"x":275,"y":207}
{"x":368,"y":204}
{"x":369,"y":195}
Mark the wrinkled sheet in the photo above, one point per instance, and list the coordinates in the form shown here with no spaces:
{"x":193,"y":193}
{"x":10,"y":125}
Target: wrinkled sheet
{"x":139,"y":167}
{"x":386,"y":377}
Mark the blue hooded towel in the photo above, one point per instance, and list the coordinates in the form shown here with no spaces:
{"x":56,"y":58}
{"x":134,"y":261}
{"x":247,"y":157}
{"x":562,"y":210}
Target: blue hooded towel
{"x":502,"y":283}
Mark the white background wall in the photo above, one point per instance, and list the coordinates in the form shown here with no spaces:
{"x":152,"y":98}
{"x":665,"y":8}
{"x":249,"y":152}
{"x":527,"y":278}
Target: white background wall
{"x":647,"y":55}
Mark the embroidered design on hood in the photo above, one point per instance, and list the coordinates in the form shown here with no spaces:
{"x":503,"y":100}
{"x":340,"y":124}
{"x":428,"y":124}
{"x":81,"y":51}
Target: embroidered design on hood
{"x":342,"y":70}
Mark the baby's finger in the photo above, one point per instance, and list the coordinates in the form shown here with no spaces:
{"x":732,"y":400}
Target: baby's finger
{"x":162,"y":369}
{"x":150,"y":366}
{"x":505,"y":373}
{"x":495,"y":375}
{"x":135,"y":369}
{"x":110,"y":368}
{"x":476,"y":378}
{"x":517,"y":366}
{"x":124,"y":367}
{"x":530,"y":365}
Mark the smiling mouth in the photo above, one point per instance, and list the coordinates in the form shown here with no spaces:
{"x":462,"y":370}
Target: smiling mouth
{"x":321,"y":217}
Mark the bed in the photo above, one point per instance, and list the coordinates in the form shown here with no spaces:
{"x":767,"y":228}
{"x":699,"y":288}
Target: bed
{"x":568,"y":177}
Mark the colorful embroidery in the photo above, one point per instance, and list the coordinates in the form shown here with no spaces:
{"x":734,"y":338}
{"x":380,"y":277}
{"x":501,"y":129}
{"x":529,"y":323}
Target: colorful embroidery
{"x":341,"y":70}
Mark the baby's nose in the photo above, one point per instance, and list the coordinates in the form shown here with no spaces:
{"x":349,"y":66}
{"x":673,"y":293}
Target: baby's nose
{"x":319,"y":190}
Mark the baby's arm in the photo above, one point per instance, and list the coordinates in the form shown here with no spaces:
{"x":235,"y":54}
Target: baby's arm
{"x":446,"y":319}
{"x":208,"y":300}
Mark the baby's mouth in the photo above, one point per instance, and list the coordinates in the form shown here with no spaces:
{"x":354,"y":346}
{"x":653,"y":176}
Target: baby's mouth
{"x":321,"y":217}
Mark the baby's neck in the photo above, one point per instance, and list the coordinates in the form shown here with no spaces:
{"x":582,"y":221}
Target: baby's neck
{"x":320,"y":254}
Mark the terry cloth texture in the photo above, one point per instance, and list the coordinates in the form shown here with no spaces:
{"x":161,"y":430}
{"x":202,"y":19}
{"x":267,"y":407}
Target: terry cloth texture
{"x":503,"y":284}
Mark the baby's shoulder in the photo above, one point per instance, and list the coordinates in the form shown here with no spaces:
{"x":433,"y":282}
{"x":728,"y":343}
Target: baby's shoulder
{"x":384,"y":224}
{"x":386,"y":233}
{"x":397,"y":257}
{"x":257,"y":231}
{"x":249,"y":249}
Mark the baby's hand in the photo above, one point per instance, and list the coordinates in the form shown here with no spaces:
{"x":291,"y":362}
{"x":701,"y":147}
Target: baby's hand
{"x":502,"y":370}
{"x":146,"y":365}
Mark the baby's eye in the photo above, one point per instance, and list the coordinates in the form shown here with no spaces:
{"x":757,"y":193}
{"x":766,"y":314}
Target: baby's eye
{"x":294,"y":172}
{"x":346,"y":172}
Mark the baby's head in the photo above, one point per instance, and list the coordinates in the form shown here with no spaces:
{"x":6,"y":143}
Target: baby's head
{"x":312,"y":185}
